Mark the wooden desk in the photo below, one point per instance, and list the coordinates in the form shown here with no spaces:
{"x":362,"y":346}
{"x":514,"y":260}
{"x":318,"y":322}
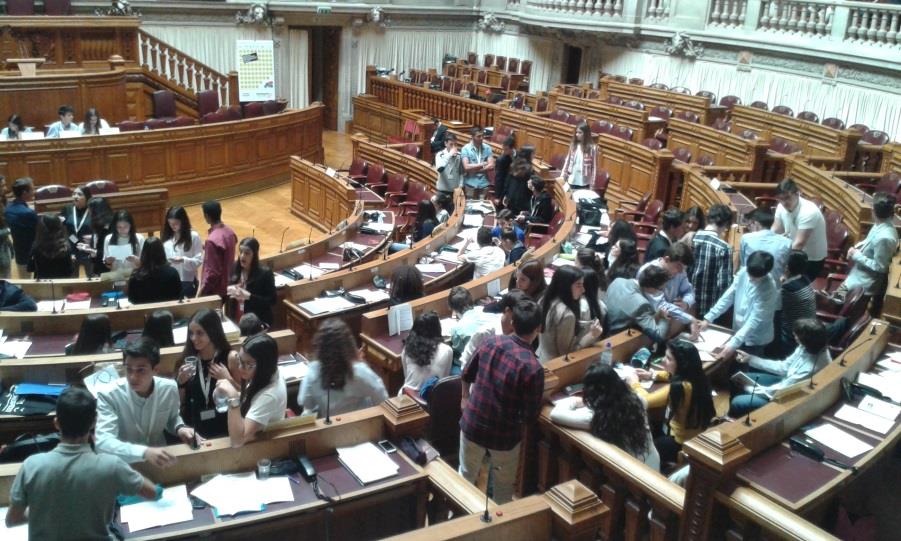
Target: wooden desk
{"x":640,"y":122}
{"x":698,"y":191}
{"x":735,"y":158}
{"x":652,"y":97}
{"x":147,"y":207}
{"x":375,"y":119}
{"x":192,"y":162}
{"x":891,"y":310}
{"x":322,"y":200}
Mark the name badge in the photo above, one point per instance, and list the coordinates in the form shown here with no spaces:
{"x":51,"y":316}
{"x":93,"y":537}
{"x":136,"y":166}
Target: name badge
{"x":206,"y":415}
{"x":73,"y":239}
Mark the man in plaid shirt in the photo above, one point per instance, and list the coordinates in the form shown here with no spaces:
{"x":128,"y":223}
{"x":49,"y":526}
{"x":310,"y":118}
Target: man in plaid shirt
{"x":711,"y":273}
{"x":507,"y":384}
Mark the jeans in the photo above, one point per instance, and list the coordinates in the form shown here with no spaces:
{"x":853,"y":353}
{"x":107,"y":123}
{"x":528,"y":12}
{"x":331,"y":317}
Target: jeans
{"x":668,"y":449}
{"x":503,"y":468}
{"x":743,"y":401}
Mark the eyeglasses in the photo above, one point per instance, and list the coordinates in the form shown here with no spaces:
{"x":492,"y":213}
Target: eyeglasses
{"x":246,"y":365}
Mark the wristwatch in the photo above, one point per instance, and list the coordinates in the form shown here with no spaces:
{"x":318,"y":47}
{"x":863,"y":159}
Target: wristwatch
{"x":234,"y":402}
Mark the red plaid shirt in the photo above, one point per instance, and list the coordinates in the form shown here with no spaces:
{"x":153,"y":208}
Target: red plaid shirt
{"x":508,"y":384}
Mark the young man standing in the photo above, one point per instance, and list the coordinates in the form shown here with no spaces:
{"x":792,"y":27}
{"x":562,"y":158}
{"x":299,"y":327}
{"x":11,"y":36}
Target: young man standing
{"x":801,"y":221}
{"x":22,"y":221}
{"x":66,"y":115}
{"x":672,"y":227}
{"x":449,"y":164}
{"x":507,"y":381}
{"x":477,"y":160}
{"x":760,"y":236}
{"x":70,"y":492}
{"x":711,"y":273}
{"x":218,"y":252}
{"x":137,"y":409}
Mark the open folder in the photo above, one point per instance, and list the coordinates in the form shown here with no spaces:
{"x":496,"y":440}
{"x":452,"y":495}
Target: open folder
{"x":367,"y":463}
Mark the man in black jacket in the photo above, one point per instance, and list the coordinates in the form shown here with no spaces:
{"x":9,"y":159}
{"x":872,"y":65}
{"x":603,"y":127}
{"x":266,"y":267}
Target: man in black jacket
{"x":13,"y":299}
{"x":672,"y":227}
{"x":437,"y":141}
{"x":541,"y":209}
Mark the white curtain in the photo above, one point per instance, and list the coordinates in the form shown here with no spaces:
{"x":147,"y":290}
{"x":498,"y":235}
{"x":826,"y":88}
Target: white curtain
{"x":855,"y":104}
{"x":546,"y":55}
{"x":215,"y":46}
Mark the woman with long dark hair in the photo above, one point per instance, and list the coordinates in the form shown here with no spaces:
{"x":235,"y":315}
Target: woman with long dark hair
{"x":50,"y":255}
{"x":529,"y":278}
{"x":689,"y":406}
{"x":339,"y":380}
{"x":155,"y":280}
{"x":581,"y":160}
{"x":101,"y":216}
{"x":425,"y":354}
{"x":77,"y":217}
{"x":625,"y":263}
{"x":93,"y":122}
{"x":252,"y":289}
{"x":215,"y":360}
{"x":612,"y":412}
{"x":619,"y":229}
{"x":123,"y":233}
{"x":158,"y":327}
{"x":587,"y":258}
{"x":426,"y":220}
{"x":406,"y":285}
{"x":184,"y":249}
{"x":560,"y":309}
{"x":14,"y":128}
{"x":93,"y":337}
{"x":263,"y":399}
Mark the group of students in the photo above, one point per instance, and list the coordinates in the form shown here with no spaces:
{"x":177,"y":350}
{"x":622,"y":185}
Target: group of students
{"x":92,"y":124}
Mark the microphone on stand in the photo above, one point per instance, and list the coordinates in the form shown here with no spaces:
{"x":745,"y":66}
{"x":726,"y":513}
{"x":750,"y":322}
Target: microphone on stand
{"x":328,"y":403}
{"x":753,"y":391}
{"x":486,"y":516}
{"x":281,"y":245}
{"x":53,"y":295}
{"x":116,"y":293}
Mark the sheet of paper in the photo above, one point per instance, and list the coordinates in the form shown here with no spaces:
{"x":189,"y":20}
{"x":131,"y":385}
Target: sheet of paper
{"x":837,"y":439}
{"x":711,"y":339}
{"x":172,"y":508}
{"x":101,"y":379}
{"x":228,"y":495}
{"x":447,"y":326}
{"x":328,"y":266}
{"x":381,"y":227}
{"x":180,"y":334}
{"x":305,"y":271}
{"x":431,"y":268}
{"x":282,"y":280}
{"x":867,"y":420}
{"x":119,"y":251}
{"x":326,"y":304}
{"x":494,"y":287}
{"x":293,"y":371}
{"x":467,"y":234}
{"x":473,"y":220}
{"x":16,"y":533}
{"x":15,"y":348}
{"x":882,"y":384}
{"x":355,"y":246}
{"x":371,"y":295}
{"x":400,"y":319}
{"x":449,"y":257}
{"x":890,"y":363}
{"x":881,"y":408}
{"x":272,"y":490}
{"x":583,"y":238}
{"x":367,"y":462}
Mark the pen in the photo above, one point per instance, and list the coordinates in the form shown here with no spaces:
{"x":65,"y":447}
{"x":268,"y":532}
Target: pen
{"x":293,"y":480}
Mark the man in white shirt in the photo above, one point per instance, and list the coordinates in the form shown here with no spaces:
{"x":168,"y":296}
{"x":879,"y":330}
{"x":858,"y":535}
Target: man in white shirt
{"x":801,"y":221}
{"x":134,"y":412}
{"x":66,"y":116}
{"x":449,"y":164}
{"x":488,"y":258}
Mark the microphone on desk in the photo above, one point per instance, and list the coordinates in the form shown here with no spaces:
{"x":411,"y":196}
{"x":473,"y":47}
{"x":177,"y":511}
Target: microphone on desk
{"x":281,"y":245}
{"x":194,"y":414}
{"x":116,"y":293}
{"x":753,"y":391}
{"x":328,"y":403}
{"x":486,"y":516}
{"x":53,"y":296}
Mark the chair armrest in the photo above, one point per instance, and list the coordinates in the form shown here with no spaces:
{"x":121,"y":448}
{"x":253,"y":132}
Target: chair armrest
{"x":827,"y":317}
{"x":636,"y":214}
{"x":833,"y":278}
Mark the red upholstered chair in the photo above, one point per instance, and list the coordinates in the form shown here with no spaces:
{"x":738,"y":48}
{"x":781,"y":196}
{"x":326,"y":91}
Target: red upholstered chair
{"x":416,"y":192}
{"x":652,"y":143}
{"x":661,"y":112}
{"x":500,"y":62}
{"x":760,"y":105}
{"x":52,"y":191}
{"x":680,"y":90}
{"x":253,"y":109}
{"x":862,"y":128}
{"x":615,"y":100}
{"x":831,"y":216}
{"x":601,"y":181}
{"x":575,"y":120}
{"x":854,"y":306}
{"x":526,"y":68}
{"x":505,"y":82}
{"x":707,"y":94}
{"x":232,"y":112}
{"x":375,"y":174}
{"x":659,"y":86}
{"x":722,"y":124}
{"x":730,"y":101}
{"x":556,"y":162}
{"x":637,"y":206}
{"x":783,"y":110}
{"x":855,"y":329}
{"x":837,"y":237}
{"x":705,"y":160}
{"x":541,"y":106}
{"x":130,"y":125}
{"x":513,"y":65}
{"x":601,"y":126}
{"x":682,"y":154}
{"x":875,"y":137}
{"x":20,"y":7}
{"x":538,"y":234}
{"x":809,"y":116}
{"x":889,"y":183}
{"x":158,"y":123}
{"x":634,"y":104}
{"x":164,"y":104}
{"x":489,"y":60}
{"x":834,"y":123}
{"x":412,"y":149}
{"x":559,"y":115}
{"x":97,"y":187}
{"x":57,"y":7}
{"x":180,"y":122}
{"x":414,"y":74}
{"x":636,"y":81}
{"x":357,"y":170}
{"x":623,"y":132}
{"x":213,"y":118}
{"x":207,"y":102}
{"x":472,"y":58}
{"x":270,"y":107}
{"x":690,"y":116}
{"x":646,"y":222}
{"x":395,"y":184}
{"x":452,"y":70}
{"x":446,"y":84}
{"x":482,"y":77}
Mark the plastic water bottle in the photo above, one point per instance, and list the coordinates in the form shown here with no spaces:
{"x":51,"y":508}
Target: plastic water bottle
{"x":607,"y":354}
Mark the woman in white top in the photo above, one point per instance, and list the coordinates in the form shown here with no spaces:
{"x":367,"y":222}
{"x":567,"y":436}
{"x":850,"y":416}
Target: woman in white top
{"x":582,"y":159}
{"x":340,"y":381}
{"x":563,"y":331}
{"x":123,"y":234}
{"x":425,"y":355}
{"x":14,"y":127}
{"x":93,"y":122}
{"x":264,"y":399}
{"x":184,"y":249}
{"x":611,"y":411}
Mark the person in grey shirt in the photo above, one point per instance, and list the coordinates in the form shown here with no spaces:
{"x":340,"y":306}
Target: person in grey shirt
{"x":449,"y":164}
{"x":70,"y":492}
{"x":631,"y":302}
{"x":339,"y":381}
{"x":762,"y":237}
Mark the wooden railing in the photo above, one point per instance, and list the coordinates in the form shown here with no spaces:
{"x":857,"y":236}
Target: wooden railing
{"x":187,"y":73}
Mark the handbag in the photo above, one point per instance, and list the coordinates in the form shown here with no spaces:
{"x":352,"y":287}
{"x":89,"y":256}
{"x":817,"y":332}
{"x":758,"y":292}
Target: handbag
{"x":26,"y":445}
{"x":590,"y":213}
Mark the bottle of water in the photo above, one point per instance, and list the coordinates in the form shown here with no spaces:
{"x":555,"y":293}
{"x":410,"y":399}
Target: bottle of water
{"x":607,"y":354}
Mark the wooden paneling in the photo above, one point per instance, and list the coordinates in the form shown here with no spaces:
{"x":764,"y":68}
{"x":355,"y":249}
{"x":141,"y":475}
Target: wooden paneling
{"x":189,"y":162}
{"x":550,"y":138}
{"x":733,"y":156}
{"x":147,"y":207}
{"x":375,"y":119}
{"x":395,"y":161}
{"x":642,"y":126}
{"x":321,"y":200}
{"x":652,"y":97}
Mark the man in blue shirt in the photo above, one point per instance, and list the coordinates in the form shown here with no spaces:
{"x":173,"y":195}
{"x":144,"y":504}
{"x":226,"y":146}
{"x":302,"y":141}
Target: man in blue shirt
{"x":66,"y":116}
{"x":22,"y":221}
{"x":761,"y":237}
{"x":477,"y":161}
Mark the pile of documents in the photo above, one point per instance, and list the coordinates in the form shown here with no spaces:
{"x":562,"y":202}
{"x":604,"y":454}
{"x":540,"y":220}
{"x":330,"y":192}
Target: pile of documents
{"x":172,"y":508}
{"x":837,"y":439}
{"x":367,"y":463}
{"x":872,"y":414}
{"x":243,"y":492}
{"x":887,"y":382}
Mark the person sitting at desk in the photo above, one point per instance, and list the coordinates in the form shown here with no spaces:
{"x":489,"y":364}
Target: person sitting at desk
{"x":444,"y":206}
{"x":771,"y":376}
{"x":505,"y":220}
{"x":529,"y":278}
{"x":488,"y":258}
{"x":406,"y":285}
{"x":123,"y":234}
{"x":471,"y":319}
{"x":592,"y":305}
{"x":612,"y":412}
{"x":753,"y":296}
{"x":215,"y":360}
{"x":562,"y":330}
{"x":13,"y":299}
{"x":93,"y":122}
{"x":339,"y":381}
{"x":541,"y":206}
{"x":184,"y":249}
{"x":426,"y":222}
{"x":50,"y":256}
{"x":512,"y":247}
{"x":70,"y":492}
{"x":137,"y":409}
{"x":678,"y":293}
{"x":624,"y":263}
{"x":798,"y":301}
{"x":76,"y":216}
{"x":425,"y":355}
{"x":629,"y":304}
{"x":688,"y":401}
{"x":93,"y":337}
{"x":154,"y":280}
{"x":13,"y":130}
{"x":263,"y":399}
{"x":64,"y":124}
{"x":619,"y":230}
{"x":252,"y":288}
{"x":158,"y":328}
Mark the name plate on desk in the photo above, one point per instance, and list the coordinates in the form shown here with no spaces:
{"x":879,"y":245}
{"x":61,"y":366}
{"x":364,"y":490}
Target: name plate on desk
{"x":31,"y":135}
{"x":108,"y":131}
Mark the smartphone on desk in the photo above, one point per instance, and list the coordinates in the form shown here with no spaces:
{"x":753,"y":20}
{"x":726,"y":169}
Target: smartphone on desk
{"x":387,"y":447}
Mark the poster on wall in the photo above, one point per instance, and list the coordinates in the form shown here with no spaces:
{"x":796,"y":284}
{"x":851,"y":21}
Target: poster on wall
{"x":256,"y":70}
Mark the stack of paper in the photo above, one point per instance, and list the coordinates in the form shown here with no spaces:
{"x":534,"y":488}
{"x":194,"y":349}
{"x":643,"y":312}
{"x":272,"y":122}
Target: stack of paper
{"x":839,"y":440}
{"x":293,"y":370}
{"x":63,"y":304}
{"x":172,"y":508}
{"x":239,"y":493}
{"x":371,"y":295}
{"x":887,"y":383}
{"x":367,"y":463}
{"x":305,"y":271}
{"x":430,"y":268}
{"x":282,"y":280}
{"x":865,"y":419}
{"x":354,"y":245}
{"x":326,"y":304}
{"x":473,"y":220}
{"x":380,"y":227}
{"x":15,"y":348}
